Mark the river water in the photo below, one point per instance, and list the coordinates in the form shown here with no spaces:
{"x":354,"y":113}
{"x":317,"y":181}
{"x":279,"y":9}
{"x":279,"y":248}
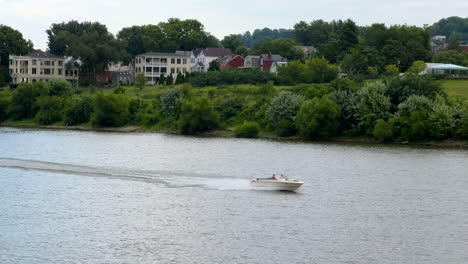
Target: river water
{"x":89,"y":197}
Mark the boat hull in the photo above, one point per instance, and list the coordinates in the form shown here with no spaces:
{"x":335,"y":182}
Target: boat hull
{"x":273,"y":185}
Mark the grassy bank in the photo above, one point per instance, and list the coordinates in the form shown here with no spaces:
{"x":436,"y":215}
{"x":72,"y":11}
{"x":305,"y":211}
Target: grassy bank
{"x":456,"y":88}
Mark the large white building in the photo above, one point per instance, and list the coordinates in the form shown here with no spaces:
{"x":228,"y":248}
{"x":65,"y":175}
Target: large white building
{"x":156,"y":64}
{"x":40,"y":66}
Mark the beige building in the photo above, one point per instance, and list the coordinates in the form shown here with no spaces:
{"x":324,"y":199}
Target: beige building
{"x":40,"y":66}
{"x":155,"y":64}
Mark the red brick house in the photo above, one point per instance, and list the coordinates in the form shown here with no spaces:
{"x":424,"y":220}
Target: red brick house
{"x":231,"y":62}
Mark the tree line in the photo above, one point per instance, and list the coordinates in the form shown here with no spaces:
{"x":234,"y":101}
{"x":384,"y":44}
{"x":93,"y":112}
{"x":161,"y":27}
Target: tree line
{"x":360,"y":50}
{"x":396,"y":108}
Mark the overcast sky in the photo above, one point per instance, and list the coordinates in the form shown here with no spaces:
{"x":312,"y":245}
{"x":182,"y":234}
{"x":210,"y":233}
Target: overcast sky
{"x":33,"y":17}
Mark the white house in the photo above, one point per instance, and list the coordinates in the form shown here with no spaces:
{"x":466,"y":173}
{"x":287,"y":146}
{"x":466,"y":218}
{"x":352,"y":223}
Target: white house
{"x":200,"y":58}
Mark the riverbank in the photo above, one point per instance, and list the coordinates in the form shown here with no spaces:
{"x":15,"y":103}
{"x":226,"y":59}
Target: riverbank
{"x":449,"y":143}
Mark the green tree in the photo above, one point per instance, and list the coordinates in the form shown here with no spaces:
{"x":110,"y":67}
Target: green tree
{"x":111,"y":110}
{"x":318,"y":118}
{"x":383,"y":130}
{"x":442,"y":119}
{"x":171,"y":104}
{"x":78,"y":110}
{"x":198,"y":116}
{"x":5,"y":98}
{"x":213,"y":66}
{"x":417,"y":67}
{"x":321,"y":70}
{"x":463,"y":125}
{"x":247,"y":130}
{"x":372,"y":104}
{"x":140,"y":80}
{"x":50,"y":109}
{"x":292,"y":73}
{"x":59,"y":87}
{"x":231,"y":42}
{"x":241,"y":50}
{"x":391,"y":70}
{"x":169,"y":80}
{"x":416,"y":126}
{"x":285,"y":106}
{"x":451,"y":56}
{"x":283,"y":47}
{"x":400,"y":88}
{"x":23,"y":100}
{"x":11,"y":43}
{"x":90,"y":42}
{"x":355,"y":62}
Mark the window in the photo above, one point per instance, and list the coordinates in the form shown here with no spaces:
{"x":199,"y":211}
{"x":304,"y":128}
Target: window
{"x":34,"y":62}
{"x":163,"y":60}
{"x":163,"y":70}
{"x":178,"y":61}
{"x":11,"y":62}
{"x":53,"y":63}
{"x":34,"y":71}
{"x":156,"y":69}
{"x":47,"y":63}
{"x":53,"y":71}
{"x":148,"y":60}
{"x":59,"y":71}
{"x":46,"y":71}
{"x":173,"y":61}
{"x":178,"y":70}
{"x":172,"y":70}
{"x":185,"y":61}
{"x":148,"y":69}
{"x":60,"y":63}
{"x":192,"y":60}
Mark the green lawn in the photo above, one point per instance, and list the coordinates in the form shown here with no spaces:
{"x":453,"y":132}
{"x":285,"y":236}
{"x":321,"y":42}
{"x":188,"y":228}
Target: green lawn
{"x":455,"y":88}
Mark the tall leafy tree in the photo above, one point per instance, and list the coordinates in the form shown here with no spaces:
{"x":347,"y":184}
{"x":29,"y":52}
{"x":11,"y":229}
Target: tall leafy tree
{"x":11,"y":43}
{"x":89,"y":42}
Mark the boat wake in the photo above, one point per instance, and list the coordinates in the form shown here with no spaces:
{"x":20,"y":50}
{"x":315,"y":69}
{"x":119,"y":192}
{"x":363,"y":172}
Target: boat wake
{"x":170,"y":179}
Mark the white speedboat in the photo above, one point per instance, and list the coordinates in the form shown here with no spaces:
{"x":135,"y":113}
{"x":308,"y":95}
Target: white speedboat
{"x":276,"y":184}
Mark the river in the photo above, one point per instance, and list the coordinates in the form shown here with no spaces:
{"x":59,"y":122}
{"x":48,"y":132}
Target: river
{"x":94,"y":197}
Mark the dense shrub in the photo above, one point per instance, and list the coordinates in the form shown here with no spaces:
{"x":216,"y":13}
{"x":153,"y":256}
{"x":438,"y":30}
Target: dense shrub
{"x":78,"y":110}
{"x":227,"y":77}
{"x":413,"y":103}
{"x":23,"y":101}
{"x":285,"y":128}
{"x":171,"y":103}
{"x":442,"y":119}
{"x":383,"y":130}
{"x":230,"y":108}
{"x":247,"y":130}
{"x":463,"y":126}
{"x":318,"y":118}
{"x":50,"y":109}
{"x":284,"y":107}
{"x":416,"y":126}
{"x":198,"y":116}
{"x":372,"y":104}
{"x":400,"y":88}
{"x":110,"y":110}
{"x":59,"y":87}
{"x":5,"y":98}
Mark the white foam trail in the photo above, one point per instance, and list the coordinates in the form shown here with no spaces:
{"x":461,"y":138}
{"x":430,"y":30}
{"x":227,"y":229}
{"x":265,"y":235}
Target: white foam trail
{"x":171,"y":179}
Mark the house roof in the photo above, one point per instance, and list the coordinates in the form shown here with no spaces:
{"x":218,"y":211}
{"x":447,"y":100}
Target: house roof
{"x":196,"y":52}
{"x":41,"y":54}
{"x":162,"y":54}
{"x":274,"y":57}
{"x":217,"y":52}
{"x":448,"y":67}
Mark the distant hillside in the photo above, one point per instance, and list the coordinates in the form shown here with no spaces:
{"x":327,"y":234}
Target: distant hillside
{"x":454,"y":28}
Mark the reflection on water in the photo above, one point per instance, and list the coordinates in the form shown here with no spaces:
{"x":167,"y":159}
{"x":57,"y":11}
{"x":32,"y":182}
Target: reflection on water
{"x":84,"y":197}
